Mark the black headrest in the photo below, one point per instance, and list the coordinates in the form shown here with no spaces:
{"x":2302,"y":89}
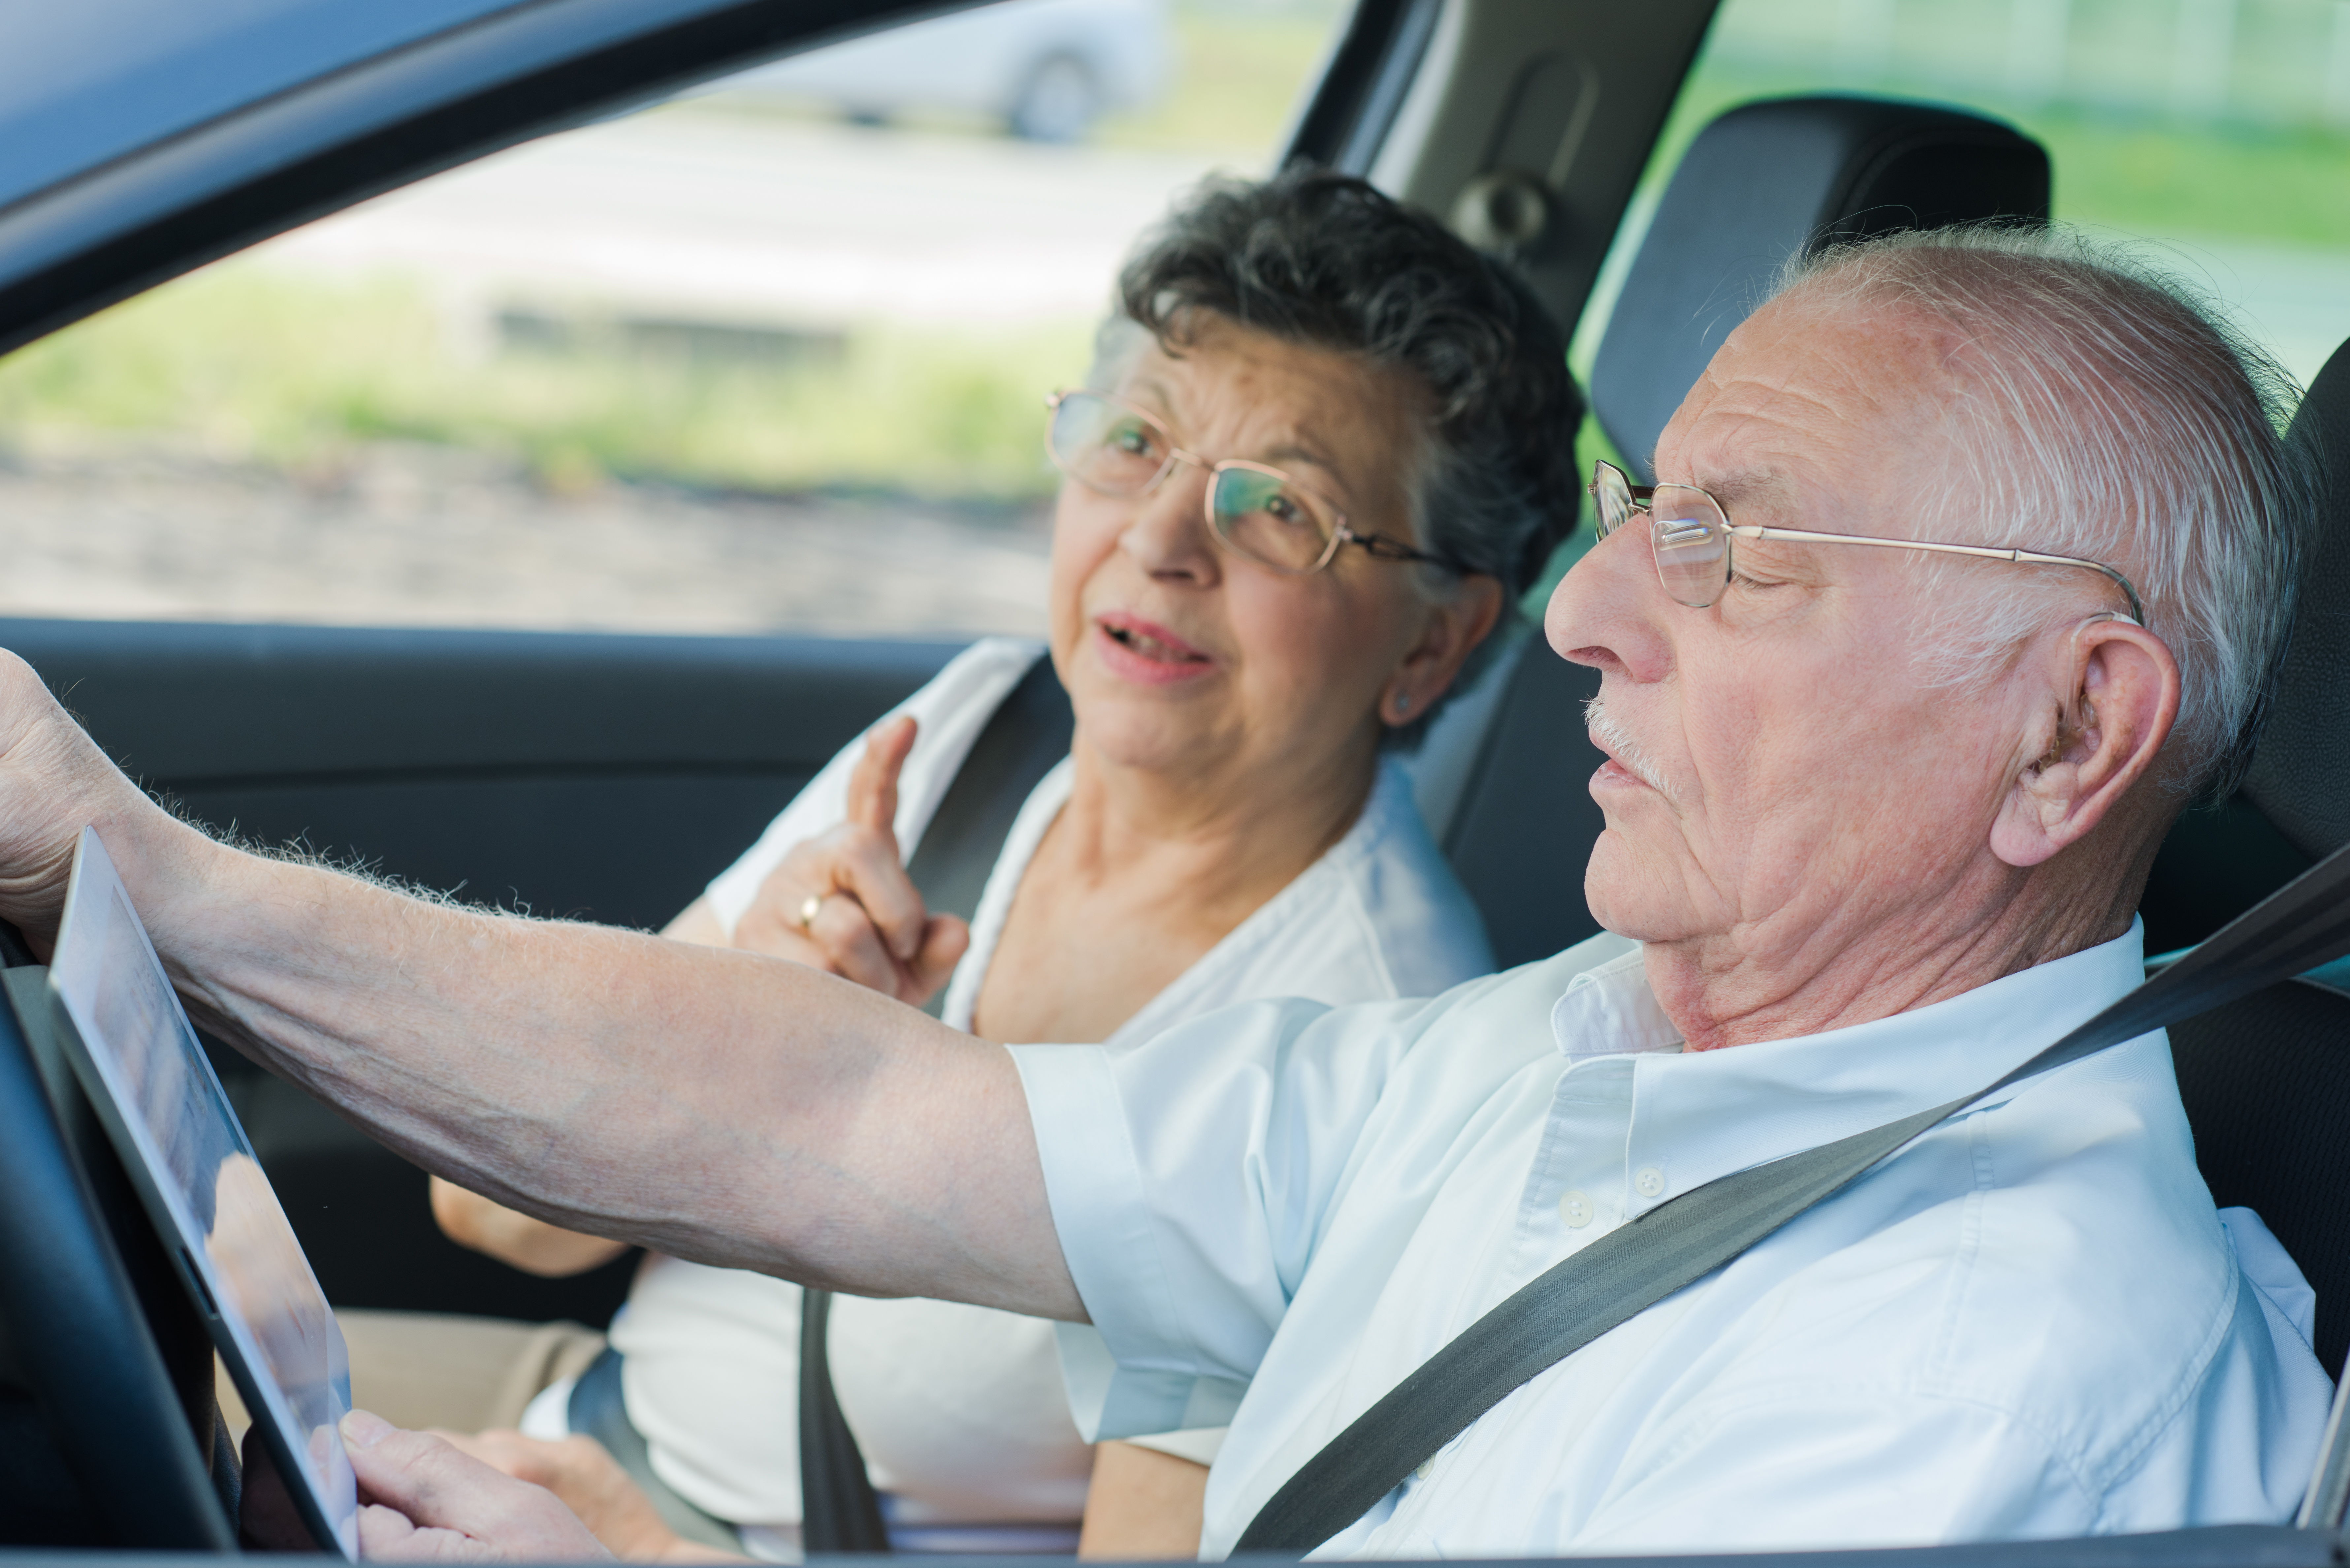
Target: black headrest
{"x":2301,"y":776}
{"x":1764,"y":183}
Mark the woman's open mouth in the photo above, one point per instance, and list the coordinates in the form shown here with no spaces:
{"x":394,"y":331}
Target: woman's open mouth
{"x":1143,"y":650}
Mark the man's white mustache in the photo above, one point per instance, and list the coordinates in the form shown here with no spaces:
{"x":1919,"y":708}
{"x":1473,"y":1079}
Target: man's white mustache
{"x":1617,"y":741}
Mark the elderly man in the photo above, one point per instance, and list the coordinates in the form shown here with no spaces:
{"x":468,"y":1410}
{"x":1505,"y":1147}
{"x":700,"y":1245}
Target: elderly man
{"x":1878,"y":817}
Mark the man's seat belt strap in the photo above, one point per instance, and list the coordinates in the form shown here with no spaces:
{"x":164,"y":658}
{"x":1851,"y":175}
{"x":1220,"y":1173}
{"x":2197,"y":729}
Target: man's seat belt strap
{"x":2302,"y":925}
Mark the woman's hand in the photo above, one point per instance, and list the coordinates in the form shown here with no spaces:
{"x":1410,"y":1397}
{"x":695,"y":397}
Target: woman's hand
{"x":842,"y":902}
{"x":534,"y":1246}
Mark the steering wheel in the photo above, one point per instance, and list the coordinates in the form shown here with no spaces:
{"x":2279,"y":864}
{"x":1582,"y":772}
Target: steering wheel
{"x":102,"y":1333}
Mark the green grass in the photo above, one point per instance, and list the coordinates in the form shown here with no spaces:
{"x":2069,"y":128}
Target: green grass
{"x":2143,"y":174}
{"x":2282,"y":184}
{"x":249,"y":366}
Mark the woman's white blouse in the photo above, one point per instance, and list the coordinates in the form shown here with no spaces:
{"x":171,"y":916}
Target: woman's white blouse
{"x":960,"y":1410}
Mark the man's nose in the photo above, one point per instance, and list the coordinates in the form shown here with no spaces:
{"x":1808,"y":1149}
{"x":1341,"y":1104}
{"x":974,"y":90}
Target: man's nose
{"x":1606,"y":611}
{"x":1167,"y":535}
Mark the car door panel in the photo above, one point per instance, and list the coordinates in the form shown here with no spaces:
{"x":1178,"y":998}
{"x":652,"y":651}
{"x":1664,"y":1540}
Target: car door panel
{"x":593,"y":777}
{"x":618,"y":848}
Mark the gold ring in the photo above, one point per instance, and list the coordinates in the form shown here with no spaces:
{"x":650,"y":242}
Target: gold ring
{"x":811,"y":908}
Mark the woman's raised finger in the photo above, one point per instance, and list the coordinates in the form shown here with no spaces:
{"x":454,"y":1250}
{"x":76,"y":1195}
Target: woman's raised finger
{"x":873,"y":783}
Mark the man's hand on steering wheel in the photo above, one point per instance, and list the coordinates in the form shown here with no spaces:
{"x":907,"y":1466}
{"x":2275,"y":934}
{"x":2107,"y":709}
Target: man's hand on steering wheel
{"x":842,"y":902}
{"x":54,"y":780}
{"x":422,"y":1500}
{"x":589,"y":1482}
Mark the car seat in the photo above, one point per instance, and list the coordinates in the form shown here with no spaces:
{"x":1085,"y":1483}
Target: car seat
{"x":1764,"y":183}
{"x":1760,"y":184}
{"x":2267,"y":1079}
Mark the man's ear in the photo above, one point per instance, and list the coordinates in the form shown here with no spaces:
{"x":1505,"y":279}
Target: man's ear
{"x":1454,"y":627}
{"x":2118,"y":687}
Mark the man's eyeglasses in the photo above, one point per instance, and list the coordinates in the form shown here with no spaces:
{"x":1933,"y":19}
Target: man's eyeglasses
{"x":1691,"y":535}
{"x":1258,"y":512}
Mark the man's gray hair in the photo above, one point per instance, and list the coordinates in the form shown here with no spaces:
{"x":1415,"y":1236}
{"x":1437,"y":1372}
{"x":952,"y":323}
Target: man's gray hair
{"x":2108,"y":412}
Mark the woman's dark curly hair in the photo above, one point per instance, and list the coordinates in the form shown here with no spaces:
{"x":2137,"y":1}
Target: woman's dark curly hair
{"x":1326,"y":259}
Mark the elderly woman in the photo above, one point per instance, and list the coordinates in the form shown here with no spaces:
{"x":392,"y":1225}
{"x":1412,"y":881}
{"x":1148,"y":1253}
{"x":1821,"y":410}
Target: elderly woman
{"x":1323,"y":447}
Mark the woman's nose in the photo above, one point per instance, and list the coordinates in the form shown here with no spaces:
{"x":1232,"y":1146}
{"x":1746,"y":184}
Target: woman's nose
{"x":1167,"y":535}
{"x":1604,"y":611}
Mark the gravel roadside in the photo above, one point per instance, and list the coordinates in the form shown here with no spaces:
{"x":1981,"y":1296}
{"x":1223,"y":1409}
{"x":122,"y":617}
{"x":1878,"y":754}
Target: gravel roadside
{"x":405,"y":535}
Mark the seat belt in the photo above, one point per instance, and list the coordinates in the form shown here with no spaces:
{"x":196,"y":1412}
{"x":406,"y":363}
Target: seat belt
{"x":1024,"y":739}
{"x":1026,"y":736}
{"x":839,"y":1509}
{"x":2302,"y":925}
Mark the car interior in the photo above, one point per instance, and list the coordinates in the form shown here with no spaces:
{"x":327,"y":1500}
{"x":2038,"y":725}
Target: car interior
{"x":605,"y":777}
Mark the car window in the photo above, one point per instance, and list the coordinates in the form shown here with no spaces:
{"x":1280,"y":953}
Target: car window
{"x":771,"y":355}
{"x":2213,"y":133}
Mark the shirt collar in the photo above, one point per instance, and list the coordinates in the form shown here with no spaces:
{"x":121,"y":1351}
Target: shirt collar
{"x":1703,"y":1115}
{"x":1610,"y":1011}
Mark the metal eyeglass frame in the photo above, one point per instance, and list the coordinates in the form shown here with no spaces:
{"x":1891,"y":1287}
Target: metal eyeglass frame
{"x":1379,"y":547}
{"x":1638,"y":496}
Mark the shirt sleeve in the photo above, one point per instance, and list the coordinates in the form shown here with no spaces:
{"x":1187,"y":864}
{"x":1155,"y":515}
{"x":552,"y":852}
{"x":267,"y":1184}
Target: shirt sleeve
{"x":949,"y":712}
{"x":1201,"y":1445}
{"x":1189,"y":1178}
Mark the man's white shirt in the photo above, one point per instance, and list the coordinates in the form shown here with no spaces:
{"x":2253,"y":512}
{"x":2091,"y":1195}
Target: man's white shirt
{"x":2029,"y":1323}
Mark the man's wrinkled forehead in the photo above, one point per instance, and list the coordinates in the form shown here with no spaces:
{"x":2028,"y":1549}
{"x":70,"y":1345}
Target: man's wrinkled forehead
{"x":1803,"y":396}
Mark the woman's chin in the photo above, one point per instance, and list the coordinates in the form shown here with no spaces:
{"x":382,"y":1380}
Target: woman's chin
{"x":1129,"y":729}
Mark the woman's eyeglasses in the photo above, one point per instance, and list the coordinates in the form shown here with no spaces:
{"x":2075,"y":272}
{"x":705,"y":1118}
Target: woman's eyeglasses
{"x":1257,"y":512}
{"x":1691,"y":535}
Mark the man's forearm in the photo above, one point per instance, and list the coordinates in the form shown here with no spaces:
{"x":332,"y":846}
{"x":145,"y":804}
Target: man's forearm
{"x":718,"y":1106}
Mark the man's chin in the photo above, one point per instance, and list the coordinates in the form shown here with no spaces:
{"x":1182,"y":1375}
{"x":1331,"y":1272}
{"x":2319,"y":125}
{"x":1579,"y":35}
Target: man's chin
{"x":1632,"y":899}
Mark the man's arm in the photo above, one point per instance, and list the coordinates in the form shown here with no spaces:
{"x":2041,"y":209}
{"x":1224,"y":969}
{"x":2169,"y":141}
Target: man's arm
{"x":718,"y":1106}
{"x":534,"y":1246}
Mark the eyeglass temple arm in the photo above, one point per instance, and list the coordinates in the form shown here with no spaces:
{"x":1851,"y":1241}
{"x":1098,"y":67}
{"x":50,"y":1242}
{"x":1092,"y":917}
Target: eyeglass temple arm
{"x":1980,"y":552}
{"x":1393,"y":549}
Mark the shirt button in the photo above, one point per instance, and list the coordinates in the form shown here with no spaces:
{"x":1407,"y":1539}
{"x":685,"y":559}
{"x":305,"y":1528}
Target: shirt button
{"x":1648,"y":1182}
{"x":1575,"y":1208}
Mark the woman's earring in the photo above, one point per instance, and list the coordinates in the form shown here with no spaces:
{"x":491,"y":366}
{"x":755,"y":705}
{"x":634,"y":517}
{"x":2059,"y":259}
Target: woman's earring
{"x":1402,"y":703}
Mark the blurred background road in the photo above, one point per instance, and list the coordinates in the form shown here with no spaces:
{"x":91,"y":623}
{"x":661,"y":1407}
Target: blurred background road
{"x":773,"y":356}
{"x":742,"y":219}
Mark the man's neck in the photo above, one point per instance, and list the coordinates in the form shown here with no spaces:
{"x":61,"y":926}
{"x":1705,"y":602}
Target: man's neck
{"x":1779,"y":978}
